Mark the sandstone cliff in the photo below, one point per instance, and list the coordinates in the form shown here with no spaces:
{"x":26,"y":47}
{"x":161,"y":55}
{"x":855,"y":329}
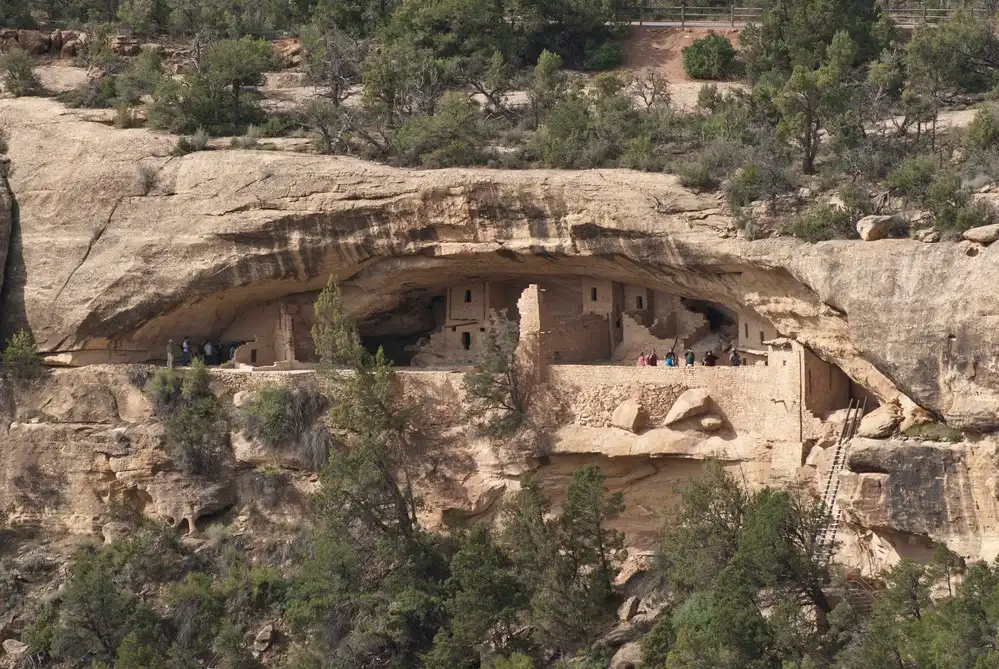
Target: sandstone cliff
{"x":107,"y":262}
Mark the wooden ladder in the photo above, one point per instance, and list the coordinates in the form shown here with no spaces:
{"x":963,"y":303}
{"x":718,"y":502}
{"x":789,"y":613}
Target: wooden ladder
{"x":832,"y":514}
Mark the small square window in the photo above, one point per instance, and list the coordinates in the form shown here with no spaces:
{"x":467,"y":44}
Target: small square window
{"x":468,"y":296}
{"x":466,"y":340}
{"x":593,"y":294}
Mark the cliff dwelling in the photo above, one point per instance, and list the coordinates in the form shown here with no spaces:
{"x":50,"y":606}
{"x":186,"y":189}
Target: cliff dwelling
{"x":582,"y":320}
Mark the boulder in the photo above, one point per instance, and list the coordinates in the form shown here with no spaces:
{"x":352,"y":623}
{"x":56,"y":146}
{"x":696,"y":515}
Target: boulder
{"x":33,"y":42}
{"x":262,"y":641}
{"x":125,"y":46}
{"x":880,"y":423}
{"x":629,"y":656}
{"x":14,"y":648}
{"x":630,"y":416}
{"x":115,"y":530}
{"x":693,"y":402}
{"x":873,"y":228}
{"x":69,"y":49}
{"x":55,"y":40}
{"x":926,"y":235}
{"x":985,"y":234}
{"x":241,"y":397}
{"x":628,"y":609}
{"x":711,"y":423}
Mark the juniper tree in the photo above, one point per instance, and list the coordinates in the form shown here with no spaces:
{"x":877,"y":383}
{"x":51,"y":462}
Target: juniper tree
{"x":500,"y":387}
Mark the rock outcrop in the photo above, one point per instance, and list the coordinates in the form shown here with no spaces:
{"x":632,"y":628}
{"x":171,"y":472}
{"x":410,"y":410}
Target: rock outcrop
{"x":985,"y":234}
{"x":912,"y":493}
{"x":630,"y":416}
{"x":111,"y":269}
{"x":873,"y":228}
{"x":692,"y":403}
{"x":880,"y":423}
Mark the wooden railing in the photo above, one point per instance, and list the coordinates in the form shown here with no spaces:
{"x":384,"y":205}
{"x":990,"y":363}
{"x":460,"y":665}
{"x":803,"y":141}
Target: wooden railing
{"x":683,"y":14}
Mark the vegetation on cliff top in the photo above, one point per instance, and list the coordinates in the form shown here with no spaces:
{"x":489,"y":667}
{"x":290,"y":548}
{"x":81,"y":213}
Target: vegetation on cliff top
{"x":834,"y":97}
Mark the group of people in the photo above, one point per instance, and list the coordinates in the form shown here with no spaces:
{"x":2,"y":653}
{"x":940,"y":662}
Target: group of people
{"x":209,"y":352}
{"x":671,"y":360}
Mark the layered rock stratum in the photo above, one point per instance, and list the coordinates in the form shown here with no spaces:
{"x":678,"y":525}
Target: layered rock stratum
{"x":102,"y":260}
{"x":116,"y":246}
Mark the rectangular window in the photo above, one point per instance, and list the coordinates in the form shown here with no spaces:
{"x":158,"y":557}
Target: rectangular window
{"x":468,"y":296}
{"x":466,"y":340}
{"x":747,"y":330}
{"x":761,"y":336}
{"x":639,"y":302}
{"x":593,"y":294}
{"x":253,"y":356}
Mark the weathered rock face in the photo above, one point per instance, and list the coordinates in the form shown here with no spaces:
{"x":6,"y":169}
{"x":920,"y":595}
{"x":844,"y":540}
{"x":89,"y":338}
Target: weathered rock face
{"x":911,"y":492}
{"x":109,"y":271}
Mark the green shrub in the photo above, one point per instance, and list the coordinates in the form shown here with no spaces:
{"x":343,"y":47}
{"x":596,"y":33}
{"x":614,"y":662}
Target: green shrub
{"x":163,"y":390}
{"x":283,"y":418}
{"x":140,"y":77}
{"x":197,"y":435}
{"x":913,"y":176}
{"x":745,"y":185}
{"x":822,"y":222}
{"x":196,"y":142}
{"x":20,"y":356}
{"x":267,"y":417}
{"x":856,"y":200}
{"x":249,"y":140}
{"x":148,"y":175}
{"x":696,"y":176}
{"x":222,"y":96}
{"x":96,"y":93}
{"x":124,"y":116}
{"x":983,"y":131}
{"x":194,"y":423}
{"x":710,"y":57}
{"x":17,"y":74}
{"x":708,"y":97}
{"x":455,"y":135}
{"x":604,"y":56}
{"x":934,"y":432}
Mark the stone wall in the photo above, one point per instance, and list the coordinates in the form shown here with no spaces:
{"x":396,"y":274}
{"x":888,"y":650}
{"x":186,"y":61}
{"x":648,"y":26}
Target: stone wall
{"x":826,"y":388}
{"x":759,"y":400}
{"x":584,"y":338}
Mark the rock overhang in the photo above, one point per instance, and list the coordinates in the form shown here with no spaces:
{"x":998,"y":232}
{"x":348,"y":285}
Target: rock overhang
{"x":102,"y":265}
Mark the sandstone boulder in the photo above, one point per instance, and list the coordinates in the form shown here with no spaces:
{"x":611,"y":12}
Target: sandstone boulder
{"x":711,"y":423}
{"x":125,"y":46}
{"x":873,"y":228}
{"x":262,"y":641}
{"x":69,"y":49}
{"x":985,"y":234}
{"x":33,"y":42}
{"x":692,"y":403}
{"x":15,"y":648}
{"x":926,"y":235}
{"x":630,"y":416}
{"x":880,"y":423}
{"x":628,"y":609}
{"x":629,"y":656}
